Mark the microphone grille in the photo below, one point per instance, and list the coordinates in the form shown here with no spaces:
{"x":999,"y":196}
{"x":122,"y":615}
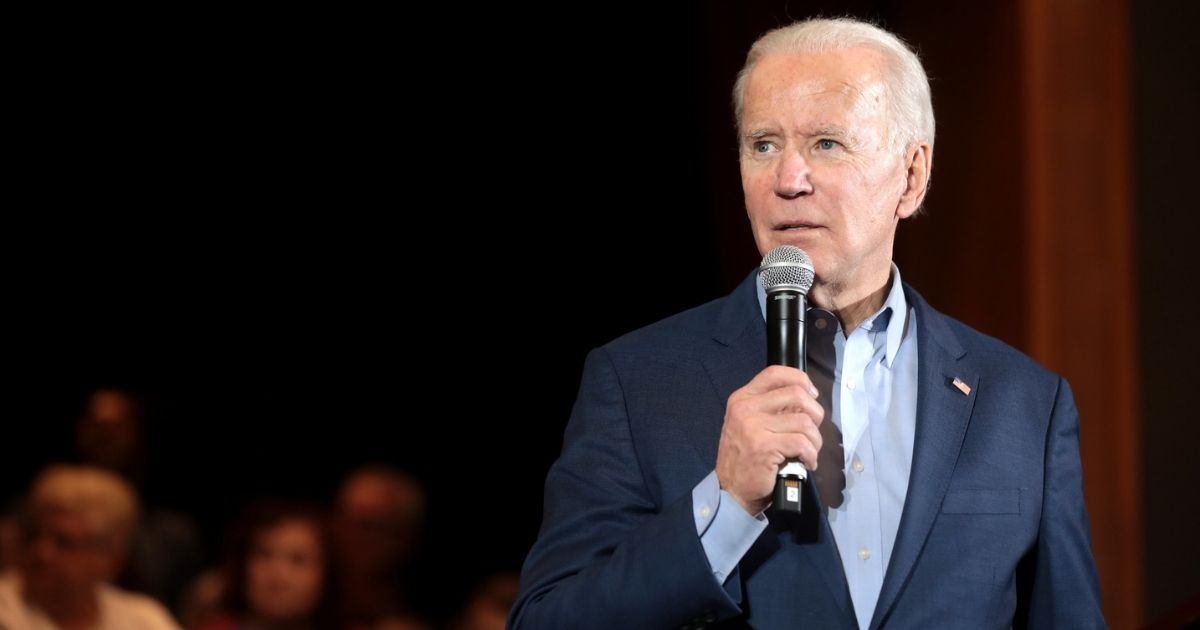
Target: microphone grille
{"x":786,"y":268}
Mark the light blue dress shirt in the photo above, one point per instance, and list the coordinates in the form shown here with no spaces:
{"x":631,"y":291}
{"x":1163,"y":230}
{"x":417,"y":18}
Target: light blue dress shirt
{"x":868,"y":385}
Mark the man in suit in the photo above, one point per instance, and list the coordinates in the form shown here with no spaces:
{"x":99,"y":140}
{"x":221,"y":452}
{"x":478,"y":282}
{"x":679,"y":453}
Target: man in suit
{"x":946,"y":480}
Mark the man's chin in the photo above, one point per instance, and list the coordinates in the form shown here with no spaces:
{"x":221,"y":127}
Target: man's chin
{"x":804,"y":238}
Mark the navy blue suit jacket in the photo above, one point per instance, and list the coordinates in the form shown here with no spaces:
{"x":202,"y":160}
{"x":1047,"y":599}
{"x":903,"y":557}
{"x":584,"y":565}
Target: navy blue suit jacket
{"x":993,"y":534}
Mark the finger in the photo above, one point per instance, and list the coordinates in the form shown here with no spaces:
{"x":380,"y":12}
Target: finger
{"x":785,"y":400}
{"x":788,"y":399}
{"x":799,"y":446}
{"x":776,"y":376}
{"x":760,"y":410}
{"x":792,"y":422}
{"x":813,"y":433}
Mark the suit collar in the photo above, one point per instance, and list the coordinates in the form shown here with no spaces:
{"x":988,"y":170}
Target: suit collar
{"x":892,"y":316}
{"x":739,"y":352}
{"x":933,"y":325}
{"x":740,"y":314}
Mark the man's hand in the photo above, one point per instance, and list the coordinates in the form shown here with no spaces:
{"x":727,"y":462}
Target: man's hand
{"x":772,"y":418}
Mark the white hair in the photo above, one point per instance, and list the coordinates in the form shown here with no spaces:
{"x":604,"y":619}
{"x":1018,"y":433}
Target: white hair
{"x":909,"y":102}
{"x":105,"y":503}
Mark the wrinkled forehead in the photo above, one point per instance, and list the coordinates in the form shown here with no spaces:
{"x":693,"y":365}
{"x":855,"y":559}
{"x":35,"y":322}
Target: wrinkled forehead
{"x":844,"y":82}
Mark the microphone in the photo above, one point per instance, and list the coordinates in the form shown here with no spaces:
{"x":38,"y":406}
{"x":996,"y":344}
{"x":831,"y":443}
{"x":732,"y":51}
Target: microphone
{"x":786,"y":274}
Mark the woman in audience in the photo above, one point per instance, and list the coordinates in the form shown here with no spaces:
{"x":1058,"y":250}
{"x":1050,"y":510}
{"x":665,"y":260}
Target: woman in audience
{"x":277,"y":576}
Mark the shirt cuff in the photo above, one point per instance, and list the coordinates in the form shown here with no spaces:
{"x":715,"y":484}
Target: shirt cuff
{"x":725,"y":529}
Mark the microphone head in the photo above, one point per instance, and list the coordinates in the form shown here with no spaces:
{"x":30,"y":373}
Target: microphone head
{"x":786,"y":268}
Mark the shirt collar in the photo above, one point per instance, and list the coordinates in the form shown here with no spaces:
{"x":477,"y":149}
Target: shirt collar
{"x":883,"y":319}
{"x":893,"y":317}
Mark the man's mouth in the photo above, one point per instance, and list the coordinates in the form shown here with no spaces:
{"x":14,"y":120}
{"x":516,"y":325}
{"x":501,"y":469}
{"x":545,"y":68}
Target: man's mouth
{"x":795,"y":226}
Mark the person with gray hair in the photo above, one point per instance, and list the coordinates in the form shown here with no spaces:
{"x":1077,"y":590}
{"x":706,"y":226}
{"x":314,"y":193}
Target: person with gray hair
{"x":75,"y":534}
{"x":944,"y":478}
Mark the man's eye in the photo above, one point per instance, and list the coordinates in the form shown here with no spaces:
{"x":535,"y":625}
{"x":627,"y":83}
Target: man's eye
{"x":762,"y":146}
{"x":825,"y":144}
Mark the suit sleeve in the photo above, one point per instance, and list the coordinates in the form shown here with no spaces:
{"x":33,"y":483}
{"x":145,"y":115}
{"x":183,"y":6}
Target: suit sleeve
{"x":607,"y":555}
{"x":1065,"y":589}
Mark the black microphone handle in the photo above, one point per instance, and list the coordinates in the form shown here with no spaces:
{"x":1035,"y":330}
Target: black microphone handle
{"x":785,"y":346}
{"x":785,"y":329}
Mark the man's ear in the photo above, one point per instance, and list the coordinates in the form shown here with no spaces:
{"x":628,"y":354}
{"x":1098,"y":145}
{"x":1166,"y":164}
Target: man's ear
{"x":918,"y":165}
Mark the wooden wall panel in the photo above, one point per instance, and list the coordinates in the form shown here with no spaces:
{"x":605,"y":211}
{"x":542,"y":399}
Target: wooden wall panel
{"x":1081,"y":299}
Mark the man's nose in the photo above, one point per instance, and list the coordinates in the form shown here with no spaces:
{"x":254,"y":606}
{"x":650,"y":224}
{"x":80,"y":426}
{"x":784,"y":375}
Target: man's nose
{"x":792,"y":176}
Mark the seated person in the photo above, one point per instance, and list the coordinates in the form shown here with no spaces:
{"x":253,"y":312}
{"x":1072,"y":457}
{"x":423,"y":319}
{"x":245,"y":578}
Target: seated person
{"x":75,"y":534}
{"x":277,"y":576}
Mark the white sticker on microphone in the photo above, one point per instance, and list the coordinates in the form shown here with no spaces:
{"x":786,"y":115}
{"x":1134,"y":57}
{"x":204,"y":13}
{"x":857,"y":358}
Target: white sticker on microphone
{"x":793,"y":494}
{"x":793,"y":467}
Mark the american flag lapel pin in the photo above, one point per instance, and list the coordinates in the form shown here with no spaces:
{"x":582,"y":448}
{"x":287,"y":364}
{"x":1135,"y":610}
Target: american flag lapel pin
{"x":962,"y":387}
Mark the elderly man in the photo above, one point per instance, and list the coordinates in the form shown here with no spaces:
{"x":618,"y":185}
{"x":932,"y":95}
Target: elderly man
{"x":75,"y":536}
{"x":946,"y":477}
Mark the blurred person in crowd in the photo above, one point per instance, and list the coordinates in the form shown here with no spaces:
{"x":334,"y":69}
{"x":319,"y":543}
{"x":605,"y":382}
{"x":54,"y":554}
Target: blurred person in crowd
{"x":202,"y":601}
{"x":489,"y":605}
{"x":110,"y":432}
{"x":378,"y":518}
{"x":75,"y":533}
{"x":277,"y":575}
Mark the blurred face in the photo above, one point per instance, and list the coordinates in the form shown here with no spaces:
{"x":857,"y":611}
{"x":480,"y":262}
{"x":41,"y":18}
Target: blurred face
{"x":285,"y":571}
{"x":61,"y":560}
{"x":376,"y":524}
{"x":108,"y":433}
{"x":817,"y":168}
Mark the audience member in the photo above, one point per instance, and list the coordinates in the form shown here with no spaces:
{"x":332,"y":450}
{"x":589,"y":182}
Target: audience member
{"x":75,"y":534}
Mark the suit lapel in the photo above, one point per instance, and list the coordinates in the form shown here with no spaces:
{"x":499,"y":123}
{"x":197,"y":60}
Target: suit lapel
{"x":738,"y":354}
{"x":943,"y":413}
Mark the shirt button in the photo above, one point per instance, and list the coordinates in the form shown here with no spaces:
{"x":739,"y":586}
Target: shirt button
{"x":864,"y":553}
{"x":705,"y":511}
{"x":850,"y":384}
{"x":858,"y":465}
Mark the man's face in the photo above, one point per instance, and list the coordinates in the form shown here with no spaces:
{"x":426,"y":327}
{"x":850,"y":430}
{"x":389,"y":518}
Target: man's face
{"x":376,"y":526}
{"x":818,"y":168}
{"x":61,"y":559}
{"x":109,"y":432}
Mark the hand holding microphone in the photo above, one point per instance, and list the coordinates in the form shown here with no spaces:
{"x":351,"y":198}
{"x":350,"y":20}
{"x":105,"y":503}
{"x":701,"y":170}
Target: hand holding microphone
{"x":772,"y":423}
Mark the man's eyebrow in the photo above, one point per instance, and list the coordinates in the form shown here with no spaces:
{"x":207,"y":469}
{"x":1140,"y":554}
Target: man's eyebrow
{"x":828,"y":130}
{"x":822,"y":130}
